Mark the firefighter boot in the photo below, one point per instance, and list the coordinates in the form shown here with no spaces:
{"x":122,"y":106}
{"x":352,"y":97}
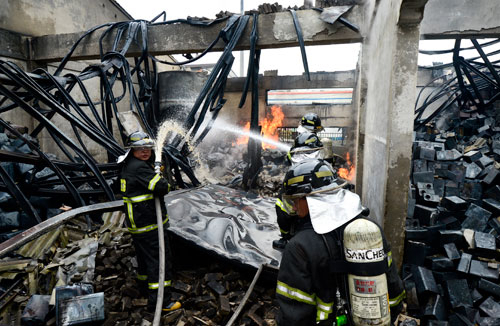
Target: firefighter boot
{"x":280,"y":244}
{"x":168,"y":304}
{"x":171,"y":306}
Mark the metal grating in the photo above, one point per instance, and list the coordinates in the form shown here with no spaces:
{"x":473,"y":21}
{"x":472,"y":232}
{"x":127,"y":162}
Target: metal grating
{"x":336,"y":134}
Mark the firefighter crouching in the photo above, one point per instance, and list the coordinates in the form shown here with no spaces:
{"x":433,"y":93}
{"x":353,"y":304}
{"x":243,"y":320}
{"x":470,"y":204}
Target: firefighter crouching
{"x":312,"y":286}
{"x":139,"y":184}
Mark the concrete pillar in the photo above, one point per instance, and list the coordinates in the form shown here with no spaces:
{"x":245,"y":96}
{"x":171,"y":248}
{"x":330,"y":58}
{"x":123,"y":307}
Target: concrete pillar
{"x":388,"y":80}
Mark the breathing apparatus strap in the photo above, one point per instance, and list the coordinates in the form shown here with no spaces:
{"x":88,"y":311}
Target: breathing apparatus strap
{"x":340,"y":277}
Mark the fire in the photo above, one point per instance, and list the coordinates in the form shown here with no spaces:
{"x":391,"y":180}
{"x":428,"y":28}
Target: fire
{"x":349,"y":172}
{"x":269,"y":125}
{"x":243,"y":139}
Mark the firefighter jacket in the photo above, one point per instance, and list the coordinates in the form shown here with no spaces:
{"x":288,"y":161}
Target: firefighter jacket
{"x":285,"y":220}
{"x":307,"y":285}
{"x":139,"y":184}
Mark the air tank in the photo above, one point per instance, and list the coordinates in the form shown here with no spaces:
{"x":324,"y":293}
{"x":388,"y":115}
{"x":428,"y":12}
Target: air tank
{"x":368,"y":292}
{"x":327,"y":148}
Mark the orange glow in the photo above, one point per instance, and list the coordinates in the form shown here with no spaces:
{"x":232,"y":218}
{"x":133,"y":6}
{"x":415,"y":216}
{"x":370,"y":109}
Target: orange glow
{"x":269,"y":126}
{"x":349,"y":172}
{"x":243,"y":139}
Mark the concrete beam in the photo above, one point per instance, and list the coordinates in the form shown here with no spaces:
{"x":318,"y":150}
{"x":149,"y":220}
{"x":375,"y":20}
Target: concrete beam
{"x":460,"y":18}
{"x":52,"y":223}
{"x":411,"y":12}
{"x":13,"y":45}
{"x":275,"y":31}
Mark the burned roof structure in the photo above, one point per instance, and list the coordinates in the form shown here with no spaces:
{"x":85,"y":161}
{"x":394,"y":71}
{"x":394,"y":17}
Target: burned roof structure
{"x":386,"y":94}
{"x":38,"y":187}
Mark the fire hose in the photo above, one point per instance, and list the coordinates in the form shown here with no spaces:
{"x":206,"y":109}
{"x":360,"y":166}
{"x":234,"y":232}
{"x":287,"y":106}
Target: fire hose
{"x":161,"y":242}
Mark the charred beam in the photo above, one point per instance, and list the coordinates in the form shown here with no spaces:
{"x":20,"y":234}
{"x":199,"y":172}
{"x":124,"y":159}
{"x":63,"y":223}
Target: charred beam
{"x":14,"y":45}
{"x":183,"y":38}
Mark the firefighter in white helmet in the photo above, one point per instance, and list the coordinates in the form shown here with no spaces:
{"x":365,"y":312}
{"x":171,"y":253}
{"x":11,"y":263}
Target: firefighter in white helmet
{"x":312,"y":284}
{"x":139,"y":184}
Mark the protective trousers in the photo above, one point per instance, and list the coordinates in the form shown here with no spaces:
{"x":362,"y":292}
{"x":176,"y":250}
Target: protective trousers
{"x":148,"y":261}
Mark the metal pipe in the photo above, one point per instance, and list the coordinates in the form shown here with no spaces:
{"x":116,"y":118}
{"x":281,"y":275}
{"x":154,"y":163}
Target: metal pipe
{"x":52,"y":223}
{"x":245,"y":298}
{"x":242,"y":57}
{"x":300,"y":38}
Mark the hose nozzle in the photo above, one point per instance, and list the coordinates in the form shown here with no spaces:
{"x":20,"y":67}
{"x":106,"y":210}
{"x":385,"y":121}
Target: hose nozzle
{"x":157,"y":167}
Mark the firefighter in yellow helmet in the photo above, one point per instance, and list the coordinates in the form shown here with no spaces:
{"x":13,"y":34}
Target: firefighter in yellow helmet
{"x":306,"y":146}
{"x":139,"y":184}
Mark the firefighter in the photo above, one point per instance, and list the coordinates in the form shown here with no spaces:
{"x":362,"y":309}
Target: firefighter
{"x":311,"y":288}
{"x":286,"y":219}
{"x":310,"y":122}
{"x":139,"y":184}
{"x":306,"y":146}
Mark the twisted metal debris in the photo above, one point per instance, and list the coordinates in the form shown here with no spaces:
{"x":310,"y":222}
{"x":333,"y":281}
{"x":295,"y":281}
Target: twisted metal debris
{"x":78,"y":177}
{"x":464,"y":88}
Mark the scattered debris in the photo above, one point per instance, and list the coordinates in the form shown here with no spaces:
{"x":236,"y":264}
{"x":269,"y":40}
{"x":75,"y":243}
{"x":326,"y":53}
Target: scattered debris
{"x":452,"y":261}
{"x":210,"y":292}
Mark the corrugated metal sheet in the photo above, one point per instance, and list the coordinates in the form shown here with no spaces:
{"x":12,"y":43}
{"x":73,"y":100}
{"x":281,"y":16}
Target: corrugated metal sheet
{"x":310,"y":96}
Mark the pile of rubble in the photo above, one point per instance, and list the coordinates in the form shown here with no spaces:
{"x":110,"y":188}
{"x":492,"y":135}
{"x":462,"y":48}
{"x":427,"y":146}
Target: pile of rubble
{"x":451,"y":262}
{"x":269,"y":8}
{"x":227,"y":164}
{"x":330,"y":3}
{"x":209,"y":294}
{"x":66,"y":269}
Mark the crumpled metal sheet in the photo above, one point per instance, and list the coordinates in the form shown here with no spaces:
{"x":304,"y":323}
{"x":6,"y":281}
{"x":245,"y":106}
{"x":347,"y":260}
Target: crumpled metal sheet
{"x":81,"y":262}
{"x":229,"y":222}
{"x":331,"y":14}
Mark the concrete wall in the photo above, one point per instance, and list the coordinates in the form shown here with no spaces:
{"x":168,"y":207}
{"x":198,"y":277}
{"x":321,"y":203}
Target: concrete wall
{"x":460,"y":18}
{"x":331,"y":115}
{"x":46,"y":17}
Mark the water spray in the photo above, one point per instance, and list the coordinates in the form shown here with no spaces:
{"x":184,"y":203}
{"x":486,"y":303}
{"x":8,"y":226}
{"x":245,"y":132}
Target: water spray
{"x":238,"y":130}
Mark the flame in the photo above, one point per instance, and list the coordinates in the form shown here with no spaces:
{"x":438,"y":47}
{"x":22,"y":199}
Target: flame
{"x":269,"y":124}
{"x":243,"y":139}
{"x":349,"y":172}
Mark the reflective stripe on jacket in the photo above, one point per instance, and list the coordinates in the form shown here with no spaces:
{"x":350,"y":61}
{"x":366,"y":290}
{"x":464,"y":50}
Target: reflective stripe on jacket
{"x":285,"y":220}
{"x":305,"y":291}
{"x":306,"y":288}
{"x":139,"y":185}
